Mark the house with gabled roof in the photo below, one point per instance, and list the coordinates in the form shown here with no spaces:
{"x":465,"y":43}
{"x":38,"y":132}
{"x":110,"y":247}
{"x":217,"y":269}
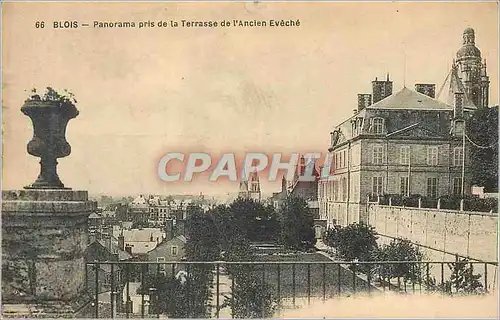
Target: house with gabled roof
{"x":169,"y":250}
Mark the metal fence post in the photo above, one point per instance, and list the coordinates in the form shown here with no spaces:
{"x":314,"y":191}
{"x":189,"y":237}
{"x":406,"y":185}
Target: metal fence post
{"x":96,"y":311}
{"x":217,"y":298}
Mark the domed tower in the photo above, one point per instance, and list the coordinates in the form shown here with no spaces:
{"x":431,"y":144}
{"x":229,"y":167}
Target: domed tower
{"x":472,"y":70}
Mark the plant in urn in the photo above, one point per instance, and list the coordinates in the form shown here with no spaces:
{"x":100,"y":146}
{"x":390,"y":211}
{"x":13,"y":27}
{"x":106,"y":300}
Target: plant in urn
{"x":50,"y":114}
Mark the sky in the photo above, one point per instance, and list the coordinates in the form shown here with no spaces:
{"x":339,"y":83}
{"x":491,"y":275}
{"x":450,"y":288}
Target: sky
{"x":145,"y":92}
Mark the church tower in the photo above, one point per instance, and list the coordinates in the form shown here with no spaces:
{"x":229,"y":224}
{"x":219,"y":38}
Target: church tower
{"x":254,"y":186}
{"x":472,"y":71}
{"x":250,"y":189}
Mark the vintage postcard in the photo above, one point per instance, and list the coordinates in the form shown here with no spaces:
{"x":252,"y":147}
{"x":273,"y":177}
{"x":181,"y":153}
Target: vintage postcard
{"x":250,"y":159}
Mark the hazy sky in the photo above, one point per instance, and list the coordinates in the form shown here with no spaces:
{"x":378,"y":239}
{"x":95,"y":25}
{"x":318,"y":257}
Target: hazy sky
{"x":145,"y":92}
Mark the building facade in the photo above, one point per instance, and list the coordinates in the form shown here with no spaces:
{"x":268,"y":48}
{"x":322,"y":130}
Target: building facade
{"x":406,"y":143}
{"x":250,"y":189}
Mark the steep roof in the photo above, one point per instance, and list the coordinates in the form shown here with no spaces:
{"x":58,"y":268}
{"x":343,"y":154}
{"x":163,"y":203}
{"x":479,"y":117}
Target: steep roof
{"x":143,"y":235}
{"x":409,"y":99}
{"x":451,"y":85}
{"x":94,"y":215}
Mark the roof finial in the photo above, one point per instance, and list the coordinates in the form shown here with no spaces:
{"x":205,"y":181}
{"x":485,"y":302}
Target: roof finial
{"x":387,"y":76}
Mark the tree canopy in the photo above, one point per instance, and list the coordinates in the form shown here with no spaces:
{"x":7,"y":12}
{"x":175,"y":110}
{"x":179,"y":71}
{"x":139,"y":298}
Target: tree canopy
{"x":297,"y":224}
{"x":482,"y":129}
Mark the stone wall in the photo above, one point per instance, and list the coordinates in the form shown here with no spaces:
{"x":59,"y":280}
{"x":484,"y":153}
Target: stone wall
{"x":468,"y":234}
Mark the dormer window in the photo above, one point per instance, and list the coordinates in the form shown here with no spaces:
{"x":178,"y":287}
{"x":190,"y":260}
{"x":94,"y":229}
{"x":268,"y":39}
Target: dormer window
{"x":378,"y":125}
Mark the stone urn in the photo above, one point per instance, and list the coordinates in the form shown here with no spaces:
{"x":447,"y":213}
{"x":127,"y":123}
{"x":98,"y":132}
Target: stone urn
{"x":50,"y":118}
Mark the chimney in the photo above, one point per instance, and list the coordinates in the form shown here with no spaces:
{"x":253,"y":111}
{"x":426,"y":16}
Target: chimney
{"x":128,"y":248}
{"x":364,"y":100}
{"x":429,"y":89}
{"x":169,"y":229}
{"x":121,"y":241}
{"x":181,"y":227}
{"x":107,"y":241}
{"x":381,"y":89}
{"x":458,"y":110}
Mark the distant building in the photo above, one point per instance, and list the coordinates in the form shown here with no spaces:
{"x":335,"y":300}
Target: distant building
{"x":301,"y":188}
{"x":137,"y":242}
{"x":104,"y":250}
{"x":169,"y":250}
{"x":307,"y":190}
{"x":138,"y":211}
{"x":250,"y":189}
{"x":279,"y":197}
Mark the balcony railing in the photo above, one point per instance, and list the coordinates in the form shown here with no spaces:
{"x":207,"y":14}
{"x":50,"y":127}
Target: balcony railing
{"x":290,"y":281}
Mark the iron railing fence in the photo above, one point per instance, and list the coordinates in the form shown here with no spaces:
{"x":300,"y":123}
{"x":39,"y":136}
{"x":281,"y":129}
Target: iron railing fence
{"x":289,"y":281}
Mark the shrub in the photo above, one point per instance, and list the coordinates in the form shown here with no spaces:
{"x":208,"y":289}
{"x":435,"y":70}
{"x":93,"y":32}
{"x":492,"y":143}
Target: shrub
{"x":400,"y":250}
{"x":356,"y":241}
{"x":462,"y":280}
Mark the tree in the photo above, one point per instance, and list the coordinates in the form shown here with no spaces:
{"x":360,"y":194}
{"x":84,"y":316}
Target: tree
{"x":462,"y":280}
{"x":400,"y":250}
{"x":297,"y":224}
{"x":171,"y":295}
{"x":356,"y":241}
{"x":250,"y":297}
{"x":258,"y":222}
{"x":202,"y":245}
{"x":482,"y":129}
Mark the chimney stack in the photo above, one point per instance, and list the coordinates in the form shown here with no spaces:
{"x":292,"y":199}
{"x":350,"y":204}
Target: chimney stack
{"x":128,"y":248}
{"x":121,"y":241}
{"x":364,"y":100}
{"x":458,"y":110}
{"x":381,"y":89}
{"x":429,"y":89}
{"x":107,"y":241}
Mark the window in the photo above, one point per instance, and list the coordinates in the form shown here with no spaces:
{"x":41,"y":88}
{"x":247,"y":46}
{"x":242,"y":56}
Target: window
{"x":404,"y":185}
{"x":432,"y":156}
{"x":404,"y":155}
{"x":174,"y":250}
{"x":378,"y":154}
{"x":432,"y":184}
{"x":378,"y":125}
{"x":457,"y":156}
{"x":161,"y":259}
{"x":377,"y":185}
{"x":457,"y":186}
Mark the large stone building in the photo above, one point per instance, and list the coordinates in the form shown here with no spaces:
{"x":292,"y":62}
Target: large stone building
{"x":407,"y":143}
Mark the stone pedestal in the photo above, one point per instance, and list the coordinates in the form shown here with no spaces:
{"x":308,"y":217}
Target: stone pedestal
{"x":44,"y":237}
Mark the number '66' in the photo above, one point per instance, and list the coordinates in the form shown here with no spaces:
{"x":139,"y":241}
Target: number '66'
{"x":40,"y":24}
